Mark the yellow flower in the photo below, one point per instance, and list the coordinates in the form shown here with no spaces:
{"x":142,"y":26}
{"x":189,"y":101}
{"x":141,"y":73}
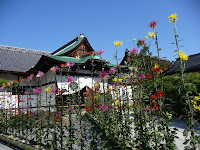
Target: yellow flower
{"x":4,"y":85}
{"x":120,"y":79}
{"x":49,"y":89}
{"x":134,"y":40}
{"x":97,"y":84}
{"x":182,"y":55}
{"x":117,"y":102}
{"x":124,"y":77}
{"x":152,"y":34}
{"x":115,"y":79}
{"x":196,"y":98}
{"x":117,"y":43}
{"x":116,"y":107}
{"x":194,"y":102}
{"x":173,"y":17}
{"x":169,"y":115}
{"x":146,"y":37}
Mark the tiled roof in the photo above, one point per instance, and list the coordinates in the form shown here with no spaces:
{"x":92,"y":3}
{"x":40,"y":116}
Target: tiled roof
{"x":192,"y":64}
{"x":19,"y":59}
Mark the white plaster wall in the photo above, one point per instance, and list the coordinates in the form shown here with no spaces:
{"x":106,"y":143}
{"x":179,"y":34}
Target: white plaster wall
{"x":82,"y":81}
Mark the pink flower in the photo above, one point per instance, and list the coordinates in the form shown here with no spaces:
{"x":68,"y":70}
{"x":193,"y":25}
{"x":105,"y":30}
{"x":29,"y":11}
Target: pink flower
{"x":9,"y":96}
{"x":37,"y":90}
{"x":1,"y":88}
{"x":26,"y":92}
{"x":116,"y":83}
{"x":142,"y":76}
{"x":69,"y":64}
{"x":54,"y":90}
{"x":72,"y":108}
{"x":55,"y":68}
{"x":104,"y":107}
{"x":26,"y":108}
{"x":100,"y":52}
{"x":11,"y":82}
{"x":134,"y":51}
{"x":146,"y":109}
{"x":70,"y":79}
{"x":29,"y":78}
{"x":112,"y":70}
{"x":102,"y":74}
{"x":40,"y":74}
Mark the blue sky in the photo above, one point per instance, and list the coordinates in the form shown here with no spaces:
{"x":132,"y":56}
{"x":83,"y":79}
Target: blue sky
{"x":49,"y":24}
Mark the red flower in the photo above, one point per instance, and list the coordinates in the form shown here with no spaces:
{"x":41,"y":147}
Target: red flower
{"x":88,"y":108}
{"x":153,"y":24}
{"x":30,"y":114}
{"x":32,"y":75}
{"x":58,"y":118}
{"x":150,"y":76}
{"x":160,"y":94}
{"x":156,"y":106}
{"x":91,"y":54}
{"x":153,"y":97}
{"x":62,"y":65}
{"x":151,"y":107}
{"x":142,"y":41}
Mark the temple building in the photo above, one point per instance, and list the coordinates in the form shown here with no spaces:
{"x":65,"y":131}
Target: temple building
{"x":16,"y":64}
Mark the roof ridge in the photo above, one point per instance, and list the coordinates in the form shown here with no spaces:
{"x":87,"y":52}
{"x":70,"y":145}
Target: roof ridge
{"x":24,"y":50}
{"x":66,"y":45}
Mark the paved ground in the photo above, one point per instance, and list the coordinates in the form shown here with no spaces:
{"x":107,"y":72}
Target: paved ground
{"x":181,"y":126}
{"x":4,"y":147}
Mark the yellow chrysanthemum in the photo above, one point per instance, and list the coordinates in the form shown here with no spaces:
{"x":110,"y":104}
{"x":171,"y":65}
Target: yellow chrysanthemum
{"x":115,"y":79}
{"x":169,"y":115}
{"x":182,"y":55}
{"x":120,"y":79}
{"x":173,"y":17}
{"x":124,"y":77}
{"x":194,"y":102}
{"x":196,"y":98}
{"x":152,"y":34}
{"x":117,"y":102}
{"x":49,"y":89}
{"x":117,"y":43}
{"x":146,"y":37}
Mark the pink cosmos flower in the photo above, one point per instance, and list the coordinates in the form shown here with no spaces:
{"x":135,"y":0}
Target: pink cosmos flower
{"x":11,"y":82}
{"x":40,"y":74}
{"x":70,"y":79}
{"x":26,"y":92}
{"x":112,"y":70}
{"x":100,"y":52}
{"x":37,"y":90}
{"x":104,"y":107}
{"x":69,"y":64}
{"x":142,"y":76}
{"x":54,"y":90}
